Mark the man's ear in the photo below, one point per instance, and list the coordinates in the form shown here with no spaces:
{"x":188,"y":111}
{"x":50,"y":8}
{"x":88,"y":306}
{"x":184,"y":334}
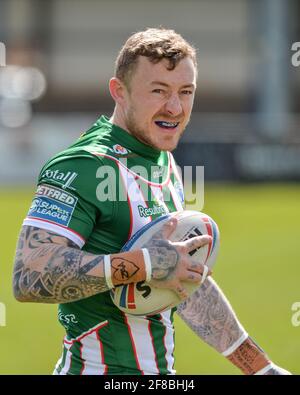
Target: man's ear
{"x":117,"y":90}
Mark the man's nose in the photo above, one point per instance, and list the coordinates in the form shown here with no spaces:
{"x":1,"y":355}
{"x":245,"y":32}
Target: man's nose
{"x":173,"y":105}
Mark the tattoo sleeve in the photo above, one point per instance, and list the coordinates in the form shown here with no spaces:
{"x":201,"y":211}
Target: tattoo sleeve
{"x":209,"y":314}
{"x":52,"y":269}
{"x":211,"y":317}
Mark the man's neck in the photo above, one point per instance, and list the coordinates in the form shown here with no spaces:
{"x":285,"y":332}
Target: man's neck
{"x":117,"y":119}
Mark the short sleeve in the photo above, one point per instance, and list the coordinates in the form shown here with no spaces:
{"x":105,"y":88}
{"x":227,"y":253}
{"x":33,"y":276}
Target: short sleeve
{"x":65,"y":201}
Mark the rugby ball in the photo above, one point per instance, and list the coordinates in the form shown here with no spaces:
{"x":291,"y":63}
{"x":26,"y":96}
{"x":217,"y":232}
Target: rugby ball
{"x":142,"y":299}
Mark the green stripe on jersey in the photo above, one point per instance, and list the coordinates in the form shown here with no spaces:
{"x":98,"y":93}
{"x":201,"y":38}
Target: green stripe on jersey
{"x":158,"y":331}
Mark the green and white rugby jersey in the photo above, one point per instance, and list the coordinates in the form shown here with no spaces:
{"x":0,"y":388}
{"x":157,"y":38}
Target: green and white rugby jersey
{"x":98,"y":193}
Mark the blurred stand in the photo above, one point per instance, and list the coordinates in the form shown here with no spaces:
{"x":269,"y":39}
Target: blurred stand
{"x":273,"y":24}
{"x":60,"y":56}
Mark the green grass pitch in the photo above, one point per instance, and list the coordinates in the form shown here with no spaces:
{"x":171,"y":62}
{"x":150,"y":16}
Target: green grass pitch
{"x":258,"y":268}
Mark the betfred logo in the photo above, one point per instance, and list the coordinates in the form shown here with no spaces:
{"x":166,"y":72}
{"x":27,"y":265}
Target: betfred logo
{"x":56,"y":194}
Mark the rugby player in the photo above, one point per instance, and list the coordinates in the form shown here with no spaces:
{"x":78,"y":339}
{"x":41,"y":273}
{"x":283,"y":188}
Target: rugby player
{"x":90,"y":200}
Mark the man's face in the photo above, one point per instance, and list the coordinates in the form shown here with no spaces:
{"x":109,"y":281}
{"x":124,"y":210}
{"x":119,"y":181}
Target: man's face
{"x":159,"y":102}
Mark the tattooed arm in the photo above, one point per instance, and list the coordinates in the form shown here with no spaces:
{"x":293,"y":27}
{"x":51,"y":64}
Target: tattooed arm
{"x":211,"y":317}
{"x":209,"y":314}
{"x":52,"y":269}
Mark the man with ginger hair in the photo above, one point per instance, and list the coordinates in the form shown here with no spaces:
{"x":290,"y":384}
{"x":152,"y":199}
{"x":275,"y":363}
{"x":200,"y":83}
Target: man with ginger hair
{"x":69,"y":247}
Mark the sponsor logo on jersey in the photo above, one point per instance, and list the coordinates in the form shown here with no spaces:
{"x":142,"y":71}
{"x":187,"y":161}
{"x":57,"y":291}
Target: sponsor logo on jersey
{"x":149,"y":211}
{"x":63,"y":179}
{"x":67,"y":319}
{"x":52,"y":204}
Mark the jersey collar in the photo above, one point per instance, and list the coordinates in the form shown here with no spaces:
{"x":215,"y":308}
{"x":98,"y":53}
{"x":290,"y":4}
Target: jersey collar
{"x":129,"y":141}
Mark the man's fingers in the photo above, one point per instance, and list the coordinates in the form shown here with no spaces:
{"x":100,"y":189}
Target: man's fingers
{"x":199,"y":276}
{"x":196,"y":242}
{"x":199,"y":268}
{"x":169,"y":228}
{"x":194,"y":277}
{"x":181,"y":292}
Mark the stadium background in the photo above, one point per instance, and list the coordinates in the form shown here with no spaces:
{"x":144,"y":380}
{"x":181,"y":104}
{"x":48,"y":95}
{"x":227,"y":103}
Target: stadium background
{"x":244,"y":130}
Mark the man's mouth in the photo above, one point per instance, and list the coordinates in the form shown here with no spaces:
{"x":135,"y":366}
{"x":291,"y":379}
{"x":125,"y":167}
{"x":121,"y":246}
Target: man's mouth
{"x":167,"y":125}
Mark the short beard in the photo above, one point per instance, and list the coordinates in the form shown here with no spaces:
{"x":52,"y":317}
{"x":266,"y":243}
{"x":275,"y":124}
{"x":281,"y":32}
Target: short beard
{"x":134,"y":130}
{"x":141,"y":134}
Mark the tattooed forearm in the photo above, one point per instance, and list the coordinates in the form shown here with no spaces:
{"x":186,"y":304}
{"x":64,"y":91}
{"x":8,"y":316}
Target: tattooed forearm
{"x":249,"y":358}
{"x":51,"y":269}
{"x":210,"y":316}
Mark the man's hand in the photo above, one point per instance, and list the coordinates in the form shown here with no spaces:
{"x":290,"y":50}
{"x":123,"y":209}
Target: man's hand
{"x":171,"y":263}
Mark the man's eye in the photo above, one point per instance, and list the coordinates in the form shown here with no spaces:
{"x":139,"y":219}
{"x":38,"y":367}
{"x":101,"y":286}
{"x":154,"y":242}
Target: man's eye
{"x":158,"y":91}
{"x":187,"y":92}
